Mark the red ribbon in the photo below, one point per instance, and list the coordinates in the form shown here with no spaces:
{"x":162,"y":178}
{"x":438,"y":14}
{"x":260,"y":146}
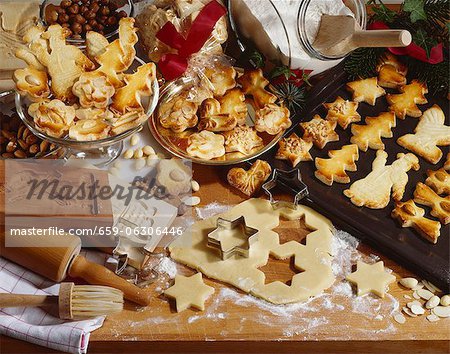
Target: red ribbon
{"x":173,"y":66}
{"x":413,"y":50}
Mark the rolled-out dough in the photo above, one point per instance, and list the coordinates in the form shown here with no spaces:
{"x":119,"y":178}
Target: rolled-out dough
{"x":312,"y":259}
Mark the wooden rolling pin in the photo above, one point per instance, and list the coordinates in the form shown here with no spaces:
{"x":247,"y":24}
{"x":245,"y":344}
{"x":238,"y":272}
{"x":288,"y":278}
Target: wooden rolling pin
{"x":56,"y":263}
{"x":339,"y":35}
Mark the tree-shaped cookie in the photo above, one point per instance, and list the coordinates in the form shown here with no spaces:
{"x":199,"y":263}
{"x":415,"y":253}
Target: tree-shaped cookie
{"x":333,"y":169}
{"x":369,"y":135}
{"x":343,"y":111}
{"x":366,"y":90}
{"x":405,"y":103}
{"x":430,"y":133}
{"x":374,"y":191}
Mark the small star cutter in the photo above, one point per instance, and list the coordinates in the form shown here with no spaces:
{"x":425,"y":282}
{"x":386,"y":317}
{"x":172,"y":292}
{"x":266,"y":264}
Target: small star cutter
{"x":290,"y":181}
{"x":216,"y":241}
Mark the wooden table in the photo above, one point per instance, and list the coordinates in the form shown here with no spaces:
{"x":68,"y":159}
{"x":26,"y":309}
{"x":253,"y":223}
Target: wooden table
{"x":229,"y":327}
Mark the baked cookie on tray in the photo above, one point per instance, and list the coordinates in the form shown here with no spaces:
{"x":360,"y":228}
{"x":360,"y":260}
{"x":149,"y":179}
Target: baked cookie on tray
{"x":319,"y":131}
{"x":369,"y":135}
{"x":334,"y":169}
{"x":344,"y":112}
{"x":405,"y":103}
{"x":366,"y":90}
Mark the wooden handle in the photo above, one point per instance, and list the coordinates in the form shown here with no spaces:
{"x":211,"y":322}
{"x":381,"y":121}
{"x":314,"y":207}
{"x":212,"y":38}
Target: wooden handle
{"x":382,"y":38}
{"x":18,"y":300}
{"x":96,"y":274}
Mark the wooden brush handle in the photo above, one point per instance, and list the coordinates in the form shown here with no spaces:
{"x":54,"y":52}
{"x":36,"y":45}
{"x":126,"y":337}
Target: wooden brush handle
{"x":96,"y":274}
{"x":382,"y":38}
{"x":18,"y":300}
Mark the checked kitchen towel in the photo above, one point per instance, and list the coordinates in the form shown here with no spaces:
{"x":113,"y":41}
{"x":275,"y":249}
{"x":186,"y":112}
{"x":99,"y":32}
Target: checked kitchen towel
{"x":35,"y":325}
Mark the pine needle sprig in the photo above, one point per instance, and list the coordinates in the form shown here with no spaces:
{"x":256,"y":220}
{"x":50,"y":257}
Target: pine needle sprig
{"x":292,"y":96}
{"x":362,"y":63}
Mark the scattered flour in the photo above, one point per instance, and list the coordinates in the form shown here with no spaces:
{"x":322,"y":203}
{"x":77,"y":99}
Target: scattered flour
{"x":211,"y":210}
{"x":167,"y":266}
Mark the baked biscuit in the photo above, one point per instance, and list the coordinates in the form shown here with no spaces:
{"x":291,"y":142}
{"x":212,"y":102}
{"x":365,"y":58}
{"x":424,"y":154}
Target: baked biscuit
{"x":294,"y":149}
{"x":389,"y":77}
{"x":32,"y":83}
{"x":128,"y":121}
{"x":220,"y":79}
{"x":343,"y":112}
{"x":447,"y":163}
{"x":333,"y":169}
{"x":93,"y":90}
{"x":89,"y":130}
{"x":390,"y":59}
{"x":439,"y":180}
{"x":242,"y":139}
{"x":212,"y":118}
{"x":374,"y":191}
{"x":206,"y":145}
{"x":369,"y":135}
{"x":118,"y":55}
{"x":254,"y":84}
{"x":430,"y":133}
{"x":128,"y":97}
{"x":405,"y":103}
{"x":410,"y":215}
{"x":272,"y":119}
{"x":94,"y":113}
{"x":440,"y":207}
{"x":233,"y":103}
{"x":52,"y":117}
{"x":366,"y":90}
{"x":319,"y":131}
{"x":249,"y":182}
{"x":178,"y":113}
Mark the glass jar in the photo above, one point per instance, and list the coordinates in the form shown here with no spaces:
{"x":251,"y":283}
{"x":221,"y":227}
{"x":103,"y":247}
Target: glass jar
{"x":284,"y":30}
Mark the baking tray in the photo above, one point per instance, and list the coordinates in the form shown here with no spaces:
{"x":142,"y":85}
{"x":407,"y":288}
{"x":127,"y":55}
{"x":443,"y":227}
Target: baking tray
{"x":374,"y":227}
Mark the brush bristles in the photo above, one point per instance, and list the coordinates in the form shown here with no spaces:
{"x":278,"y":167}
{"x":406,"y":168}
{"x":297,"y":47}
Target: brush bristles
{"x":93,"y":301}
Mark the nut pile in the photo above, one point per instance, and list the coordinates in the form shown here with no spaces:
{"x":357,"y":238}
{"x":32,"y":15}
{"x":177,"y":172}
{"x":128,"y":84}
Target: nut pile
{"x":17,"y":141}
{"x":82,"y":16}
{"x":425,"y":300}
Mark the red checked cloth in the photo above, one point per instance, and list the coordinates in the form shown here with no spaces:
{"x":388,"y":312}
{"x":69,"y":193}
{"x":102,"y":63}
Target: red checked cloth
{"x":35,"y":325}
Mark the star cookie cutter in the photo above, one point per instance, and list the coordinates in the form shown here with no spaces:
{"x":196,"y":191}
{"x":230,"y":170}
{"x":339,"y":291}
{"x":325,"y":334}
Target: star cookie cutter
{"x":289,"y":181}
{"x":216,"y":241}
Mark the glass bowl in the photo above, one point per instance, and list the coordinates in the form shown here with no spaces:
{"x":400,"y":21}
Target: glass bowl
{"x":104,"y":151}
{"x":125,"y":5}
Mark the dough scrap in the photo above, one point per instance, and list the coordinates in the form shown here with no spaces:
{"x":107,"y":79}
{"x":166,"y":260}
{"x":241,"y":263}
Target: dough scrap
{"x":189,"y":292}
{"x":314,"y":258}
{"x":371,"y":278}
{"x":374,"y":191}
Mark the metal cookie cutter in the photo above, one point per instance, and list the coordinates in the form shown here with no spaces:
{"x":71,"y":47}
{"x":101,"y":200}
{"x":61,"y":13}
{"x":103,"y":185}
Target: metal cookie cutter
{"x":289,"y":181}
{"x":229,"y":247}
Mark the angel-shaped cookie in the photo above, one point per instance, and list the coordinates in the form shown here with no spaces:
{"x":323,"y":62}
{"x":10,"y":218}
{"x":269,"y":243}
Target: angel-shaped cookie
{"x":374,"y":191}
{"x":319,"y":131}
{"x":233,"y":103}
{"x":128,"y":97}
{"x":206,"y":145}
{"x":405,"y":103}
{"x":333,"y":169}
{"x":366,"y":90}
{"x":410,"y":215}
{"x":369,"y":135}
{"x":242,"y":139}
{"x":294,"y":149}
{"x":440,"y":206}
{"x":272,"y":119}
{"x":117,"y":56}
{"x":430,"y":133}
{"x":249,"y":182}
{"x":254,"y":84}
{"x":212,"y":118}
{"x":343,"y":112}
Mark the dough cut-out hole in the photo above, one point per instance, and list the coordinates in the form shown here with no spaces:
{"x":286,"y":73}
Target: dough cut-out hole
{"x":293,"y":230}
{"x":279,"y":270}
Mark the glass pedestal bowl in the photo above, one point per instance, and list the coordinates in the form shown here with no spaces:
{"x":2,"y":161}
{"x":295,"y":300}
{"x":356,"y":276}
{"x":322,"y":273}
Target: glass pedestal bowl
{"x":103,"y":151}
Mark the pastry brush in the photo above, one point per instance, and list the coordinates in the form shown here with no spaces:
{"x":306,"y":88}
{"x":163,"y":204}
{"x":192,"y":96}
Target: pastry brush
{"x":73,"y":301}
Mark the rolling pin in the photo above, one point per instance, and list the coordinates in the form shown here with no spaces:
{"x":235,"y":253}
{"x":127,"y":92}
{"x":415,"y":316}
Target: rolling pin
{"x":56,"y":263}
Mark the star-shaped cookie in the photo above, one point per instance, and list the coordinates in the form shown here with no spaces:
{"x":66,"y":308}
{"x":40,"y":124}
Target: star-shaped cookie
{"x":189,"y":292}
{"x":371,"y":278}
{"x":294,"y":149}
{"x":319,"y":131}
{"x":366,"y":90}
{"x":405,"y":103}
{"x":344,"y":112}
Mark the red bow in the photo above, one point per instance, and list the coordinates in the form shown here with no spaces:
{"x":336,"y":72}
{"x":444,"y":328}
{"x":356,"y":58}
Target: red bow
{"x":174,"y":65}
{"x":413,"y":50}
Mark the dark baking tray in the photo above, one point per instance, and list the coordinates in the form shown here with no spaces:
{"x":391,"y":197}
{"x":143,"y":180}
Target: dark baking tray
{"x":374,"y":227}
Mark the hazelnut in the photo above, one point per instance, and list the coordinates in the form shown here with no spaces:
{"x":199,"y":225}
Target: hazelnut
{"x":66,"y":3}
{"x":65,"y":25}
{"x":104,"y":10}
{"x":122,"y":14}
{"x":100,"y":28}
{"x":95,"y":6}
{"x":113,"y":7}
{"x":93,"y":23}
{"x":84,"y":9}
{"x":104,"y":2}
{"x":80,"y":19}
{"x":74,"y":9}
{"x":76,"y":28}
{"x":111,"y":21}
{"x":90,"y":15}
{"x":102,"y":20}
{"x":87,"y":28}
{"x":63,"y":18}
{"x":60,"y":10}
{"x":52,"y":16}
